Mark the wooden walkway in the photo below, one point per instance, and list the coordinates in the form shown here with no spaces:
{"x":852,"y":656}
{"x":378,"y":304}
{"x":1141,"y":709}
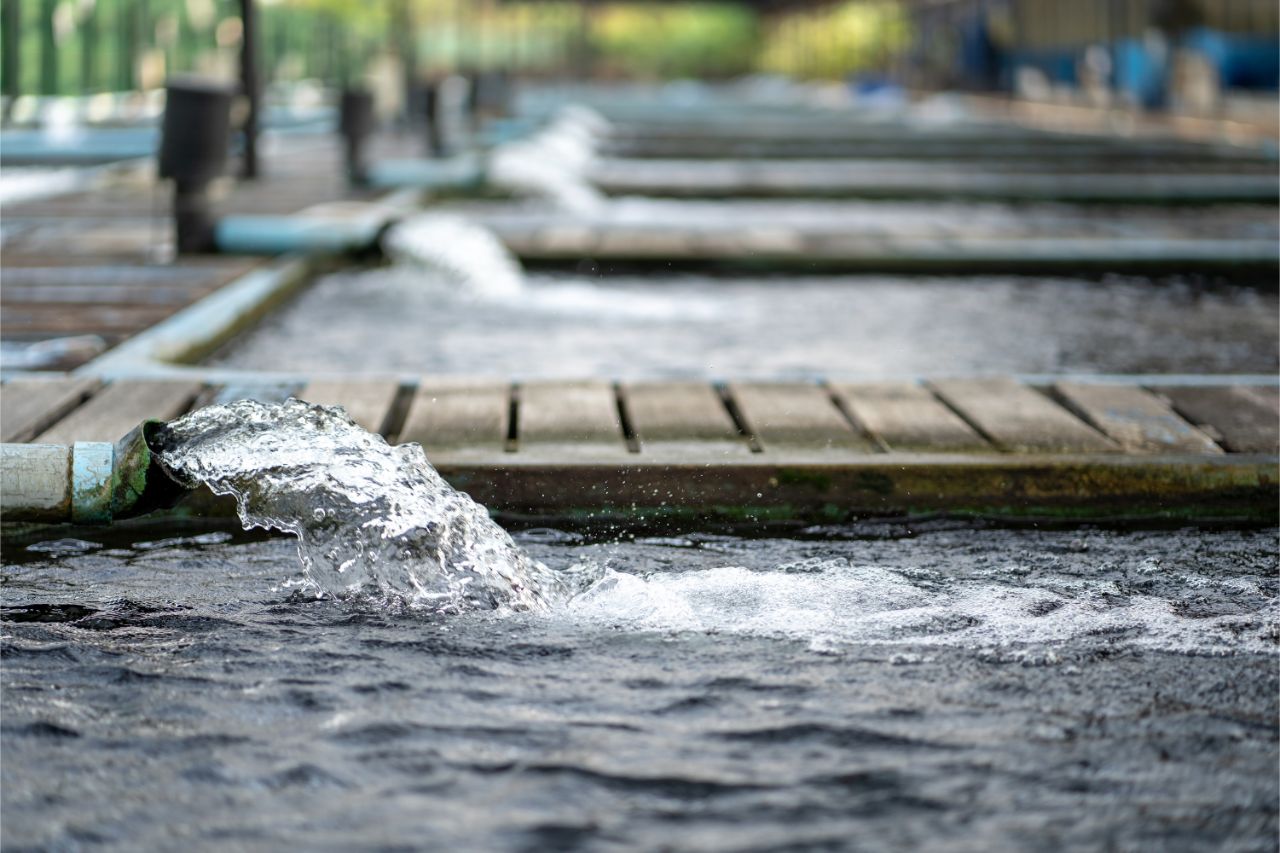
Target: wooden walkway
{"x":101,"y":262}
{"x":759,"y":452}
{"x":942,"y":238}
{"x":1145,"y":182}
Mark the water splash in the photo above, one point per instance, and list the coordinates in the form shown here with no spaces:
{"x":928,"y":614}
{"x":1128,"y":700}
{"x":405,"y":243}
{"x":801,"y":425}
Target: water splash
{"x":466,"y":253}
{"x":553,"y":164}
{"x":371,"y":519}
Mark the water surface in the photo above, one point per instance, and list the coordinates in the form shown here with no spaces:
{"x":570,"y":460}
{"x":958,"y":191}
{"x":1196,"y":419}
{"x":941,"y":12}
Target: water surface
{"x":405,"y":318}
{"x":892,"y":689}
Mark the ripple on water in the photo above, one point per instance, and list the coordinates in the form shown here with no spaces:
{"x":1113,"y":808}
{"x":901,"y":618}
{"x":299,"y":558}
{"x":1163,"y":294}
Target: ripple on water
{"x":973,"y":689}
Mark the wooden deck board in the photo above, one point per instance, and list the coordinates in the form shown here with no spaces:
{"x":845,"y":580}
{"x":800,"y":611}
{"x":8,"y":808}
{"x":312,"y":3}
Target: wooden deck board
{"x":121,"y":406}
{"x":101,"y":261}
{"x":448,"y":417}
{"x":1135,"y":419}
{"x":30,"y":405}
{"x":795,"y":415}
{"x":682,"y":419}
{"x":815,"y":466}
{"x":368,"y":402}
{"x":570,"y":417}
{"x":1244,"y":420}
{"x":1020,"y":419}
{"x":907,"y":417}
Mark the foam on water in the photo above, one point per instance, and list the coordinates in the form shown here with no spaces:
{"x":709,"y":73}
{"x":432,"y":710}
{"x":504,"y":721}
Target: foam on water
{"x":442,"y":260}
{"x":371,"y":519}
{"x":552,"y":164}
{"x":832,"y":603}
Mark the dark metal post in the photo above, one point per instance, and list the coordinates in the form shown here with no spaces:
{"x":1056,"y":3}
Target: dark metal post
{"x":195,"y":135}
{"x":355,"y":123}
{"x":250,"y":85}
{"x":433,"y":113}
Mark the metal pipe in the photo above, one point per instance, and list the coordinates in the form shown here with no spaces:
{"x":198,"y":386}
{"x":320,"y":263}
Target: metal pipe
{"x":355,"y":124}
{"x":250,"y":85}
{"x":278,"y":235}
{"x":194,"y":138}
{"x":90,"y":482}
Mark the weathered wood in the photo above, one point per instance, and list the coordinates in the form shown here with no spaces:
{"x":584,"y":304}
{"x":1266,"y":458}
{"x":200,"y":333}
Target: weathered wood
{"x":648,"y":242}
{"x":452,"y":416}
{"x":570,"y":417}
{"x":906,"y":416}
{"x":368,"y":402}
{"x":263,"y":392}
{"x":1020,"y":419}
{"x":1243,"y":420}
{"x":799,"y":488}
{"x":682,"y":418}
{"x":795,"y":415}
{"x":120,"y":407}
{"x":29,"y":405}
{"x":1135,"y":419}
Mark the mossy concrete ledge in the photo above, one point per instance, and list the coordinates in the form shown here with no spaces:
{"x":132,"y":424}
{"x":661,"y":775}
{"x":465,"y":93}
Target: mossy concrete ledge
{"x":1238,"y":489}
{"x":1086,"y":488}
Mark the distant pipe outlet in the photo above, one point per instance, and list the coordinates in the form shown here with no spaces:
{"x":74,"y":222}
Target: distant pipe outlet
{"x":194,"y":138}
{"x":355,"y":123}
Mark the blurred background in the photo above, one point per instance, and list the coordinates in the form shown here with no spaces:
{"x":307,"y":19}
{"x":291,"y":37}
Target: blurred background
{"x":1187,"y":54}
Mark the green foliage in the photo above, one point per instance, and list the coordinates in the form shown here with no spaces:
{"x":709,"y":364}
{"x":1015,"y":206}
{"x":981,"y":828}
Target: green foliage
{"x":693,"y":39}
{"x":82,"y":46}
{"x":837,"y":40}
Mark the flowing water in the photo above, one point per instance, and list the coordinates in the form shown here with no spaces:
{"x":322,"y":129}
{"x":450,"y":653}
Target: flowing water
{"x":888,"y":689}
{"x":370,"y":518}
{"x":421,"y":680}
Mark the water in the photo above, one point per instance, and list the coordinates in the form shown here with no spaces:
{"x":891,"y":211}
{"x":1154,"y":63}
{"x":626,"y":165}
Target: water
{"x":449,"y":248}
{"x":454,"y":300}
{"x":879,"y":688}
{"x":407,"y":318}
{"x":371,"y":519}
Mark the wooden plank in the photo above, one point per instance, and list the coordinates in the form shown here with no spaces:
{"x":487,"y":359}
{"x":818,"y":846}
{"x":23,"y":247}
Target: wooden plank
{"x":682,"y":418}
{"x":570,"y":417}
{"x":1242,"y":419}
{"x":906,"y":416}
{"x":447,"y":416}
{"x":1135,"y":419}
{"x":1020,"y":419}
{"x":263,"y":392}
{"x":368,"y":402}
{"x":120,"y":407}
{"x":795,"y":416}
{"x":29,"y":405}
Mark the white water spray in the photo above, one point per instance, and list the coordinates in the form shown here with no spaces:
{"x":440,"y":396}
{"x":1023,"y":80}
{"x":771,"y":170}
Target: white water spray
{"x":371,"y":519}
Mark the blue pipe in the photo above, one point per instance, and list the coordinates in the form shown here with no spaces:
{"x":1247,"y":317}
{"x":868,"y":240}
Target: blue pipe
{"x":277,"y":235}
{"x":455,"y":173}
